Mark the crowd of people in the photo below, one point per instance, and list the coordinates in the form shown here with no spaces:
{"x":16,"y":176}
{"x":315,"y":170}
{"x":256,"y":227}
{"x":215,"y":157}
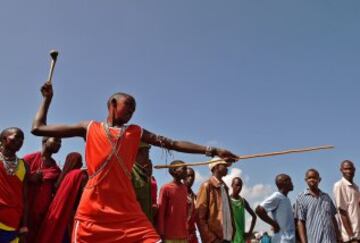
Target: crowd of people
{"x":115,"y":198}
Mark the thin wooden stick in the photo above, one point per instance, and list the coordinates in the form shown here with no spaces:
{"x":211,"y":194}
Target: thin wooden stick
{"x":251,"y":156}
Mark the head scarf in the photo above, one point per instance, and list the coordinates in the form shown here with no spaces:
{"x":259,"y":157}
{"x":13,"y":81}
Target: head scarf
{"x":73,"y":161}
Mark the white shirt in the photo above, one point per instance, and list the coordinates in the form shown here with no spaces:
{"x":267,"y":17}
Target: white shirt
{"x":347,"y":198}
{"x":227,"y":217}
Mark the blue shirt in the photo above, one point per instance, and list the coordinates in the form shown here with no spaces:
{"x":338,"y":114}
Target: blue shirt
{"x":265,"y":239}
{"x":317,"y":213}
{"x":280,"y":207}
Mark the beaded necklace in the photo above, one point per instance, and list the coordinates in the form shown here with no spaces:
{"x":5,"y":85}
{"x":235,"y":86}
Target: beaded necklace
{"x":116,"y":145}
{"x":9,"y":165}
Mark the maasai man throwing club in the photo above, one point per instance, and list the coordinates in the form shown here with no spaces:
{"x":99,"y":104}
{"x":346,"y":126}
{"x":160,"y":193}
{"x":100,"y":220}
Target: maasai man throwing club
{"x":108,"y":210}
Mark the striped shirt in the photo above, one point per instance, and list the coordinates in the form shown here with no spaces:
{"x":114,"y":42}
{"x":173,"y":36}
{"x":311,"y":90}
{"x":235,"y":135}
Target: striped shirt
{"x":317,"y":213}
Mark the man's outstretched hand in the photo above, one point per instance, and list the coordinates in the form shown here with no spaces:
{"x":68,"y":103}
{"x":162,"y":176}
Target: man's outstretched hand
{"x":226,"y":155}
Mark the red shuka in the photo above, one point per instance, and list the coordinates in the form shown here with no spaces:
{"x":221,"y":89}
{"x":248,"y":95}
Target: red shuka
{"x":108,"y":211}
{"x":173,"y":211}
{"x":11,"y":199}
{"x":60,"y":212}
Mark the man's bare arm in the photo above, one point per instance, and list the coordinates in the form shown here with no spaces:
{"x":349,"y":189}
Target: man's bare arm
{"x":337,"y":230}
{"x":346,"y":221}
{"x":253,"y":217}
{"x":40,"y":127}
{"x":184,"y":146}
{"x":301,"y":230}
{"x":261,"y":212}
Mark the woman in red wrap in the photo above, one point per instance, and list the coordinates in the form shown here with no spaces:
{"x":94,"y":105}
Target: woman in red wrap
{"x":57,"y":224}
{"x":108,"y":209}
{"x":72,"y":161}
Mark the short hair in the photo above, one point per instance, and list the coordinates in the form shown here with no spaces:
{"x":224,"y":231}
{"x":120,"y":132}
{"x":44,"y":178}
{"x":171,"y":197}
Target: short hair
{"x":6,"y":131}
{"x":118,"y":95}
{"x":312,"y":170}
{"x":346,"y":162}
{"x":236,"y":178}
{"x":279,"y":179}
{"x":175,"y":162}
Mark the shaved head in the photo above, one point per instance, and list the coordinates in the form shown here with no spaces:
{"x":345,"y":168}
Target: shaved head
{"x":115,"y":97}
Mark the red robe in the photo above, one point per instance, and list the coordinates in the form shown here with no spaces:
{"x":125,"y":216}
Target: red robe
{"x":39,"y":194}
{"x":173,"y":211}
{"x":108,"y":211}
{"x":11,"y":198}
{"x":60,"y":213}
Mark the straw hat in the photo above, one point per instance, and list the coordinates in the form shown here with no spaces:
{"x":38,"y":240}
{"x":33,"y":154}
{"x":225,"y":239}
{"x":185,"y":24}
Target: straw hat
{"x":219,"y":161}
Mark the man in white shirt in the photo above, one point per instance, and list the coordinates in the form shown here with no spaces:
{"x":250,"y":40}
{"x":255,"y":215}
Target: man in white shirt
{"x":347,"y":199}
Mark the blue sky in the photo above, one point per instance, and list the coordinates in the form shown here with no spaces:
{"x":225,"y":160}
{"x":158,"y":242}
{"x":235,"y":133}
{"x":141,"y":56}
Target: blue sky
{"x":251,"y":76}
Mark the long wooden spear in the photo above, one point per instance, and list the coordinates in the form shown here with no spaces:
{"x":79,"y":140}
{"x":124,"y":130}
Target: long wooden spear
{"x":251,"y":156}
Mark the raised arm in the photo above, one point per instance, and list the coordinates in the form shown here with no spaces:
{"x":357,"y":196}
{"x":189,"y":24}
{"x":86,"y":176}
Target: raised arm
{"x":186,"y":147}
{"x":40,"y":127}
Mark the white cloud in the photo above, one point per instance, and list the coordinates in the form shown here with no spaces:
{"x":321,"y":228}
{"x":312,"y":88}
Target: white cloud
{"x":258,"y":191}
{"x":254,"y":194}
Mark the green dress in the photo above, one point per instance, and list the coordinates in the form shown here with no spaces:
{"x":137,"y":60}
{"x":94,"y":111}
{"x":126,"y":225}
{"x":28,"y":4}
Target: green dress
{"x":142,"y":186}
{"x":238,"y":207}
